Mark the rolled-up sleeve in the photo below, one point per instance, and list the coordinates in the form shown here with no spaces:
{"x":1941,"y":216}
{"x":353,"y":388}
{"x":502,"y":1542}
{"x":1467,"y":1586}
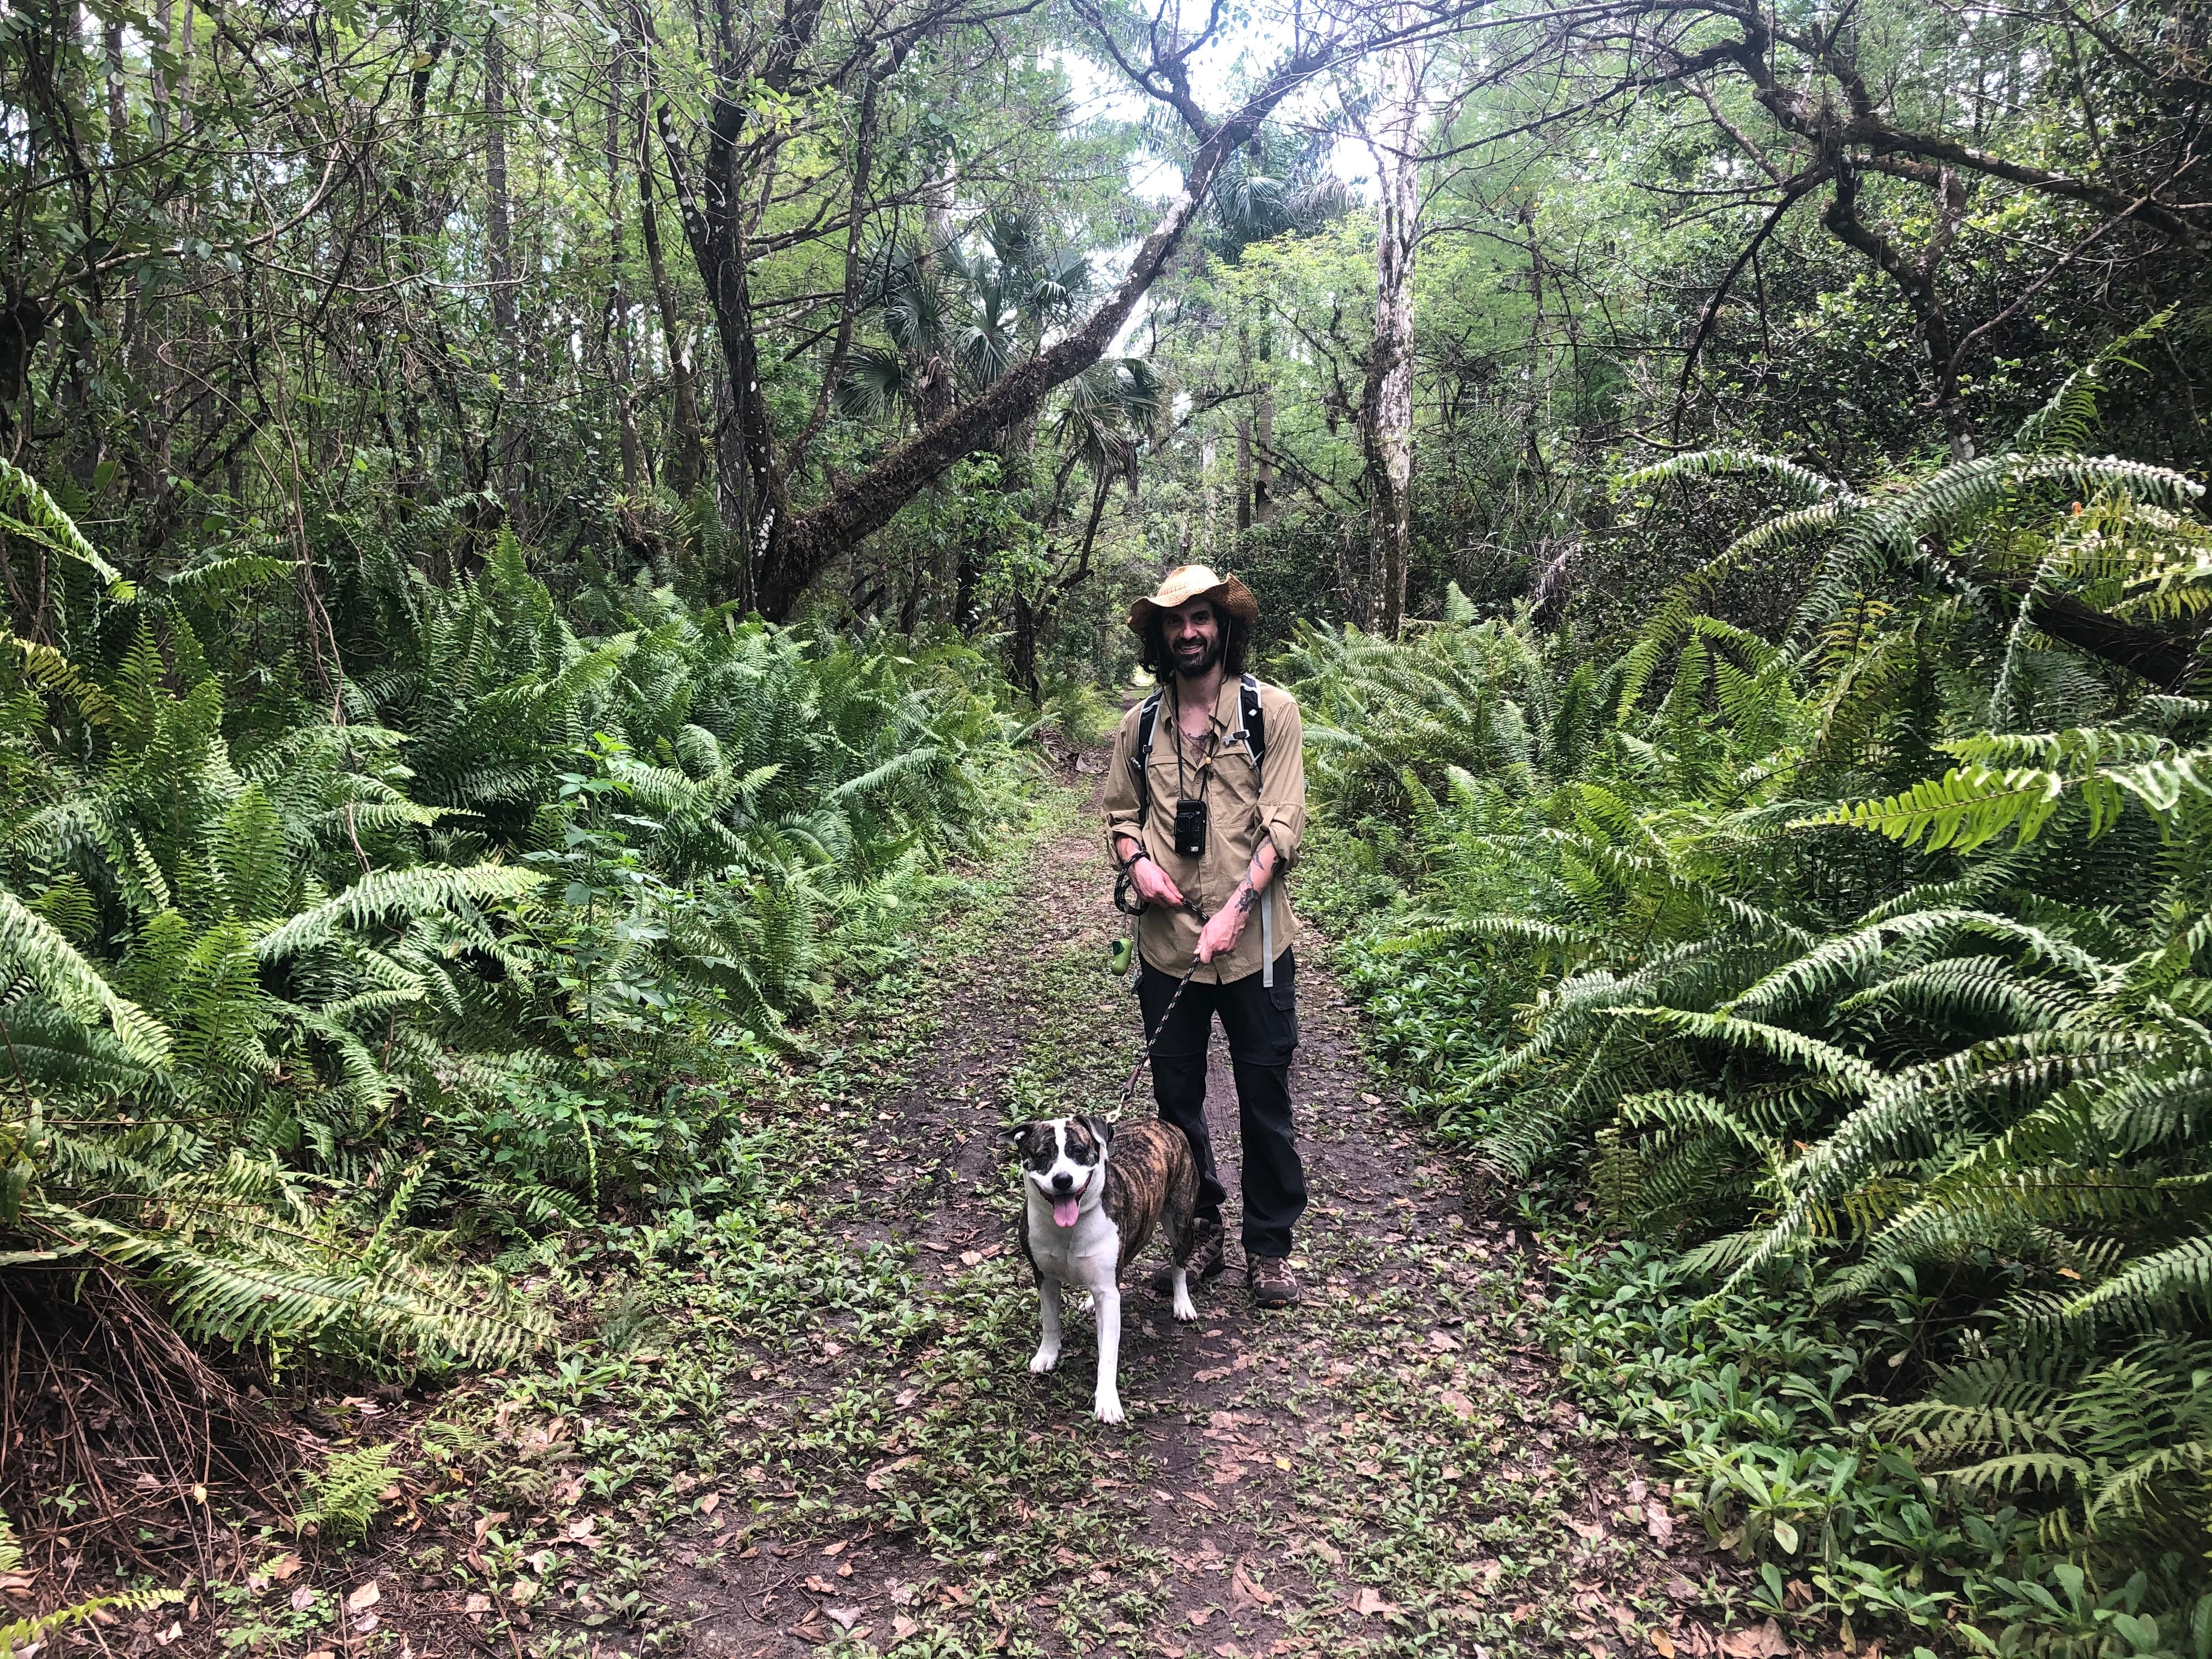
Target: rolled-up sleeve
{"x":1119,"y":798}
{"x":1283,"y":779}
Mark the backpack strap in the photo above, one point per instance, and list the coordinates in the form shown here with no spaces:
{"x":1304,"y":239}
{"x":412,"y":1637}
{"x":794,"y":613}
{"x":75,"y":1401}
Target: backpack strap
{"x":1141,"y":758}
{"x":1252,"y":719}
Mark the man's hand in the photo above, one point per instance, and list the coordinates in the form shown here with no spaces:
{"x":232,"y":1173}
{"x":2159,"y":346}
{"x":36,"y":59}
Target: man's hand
{"x":1152,"y":885}
{"x":1218,"y":937}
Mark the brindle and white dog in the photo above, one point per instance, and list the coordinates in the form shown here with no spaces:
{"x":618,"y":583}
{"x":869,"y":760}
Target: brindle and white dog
{"x":1094,"y":1193}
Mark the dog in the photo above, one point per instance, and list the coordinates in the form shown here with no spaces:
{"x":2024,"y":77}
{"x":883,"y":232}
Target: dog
{"x":1093,"y":1195}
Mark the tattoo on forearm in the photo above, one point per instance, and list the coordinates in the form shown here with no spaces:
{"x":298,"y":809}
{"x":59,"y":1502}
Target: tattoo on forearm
{"x":1246,"y":898}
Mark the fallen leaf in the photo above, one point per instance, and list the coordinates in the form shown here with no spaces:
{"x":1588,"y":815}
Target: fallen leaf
{"x":1443,"y":1341}
{"x":477,"y":1602}
{"x":818,"y":1584}
{"x":366,"y":1625}
{"x":1456,"y":1403}
{"x":583,"y":1528}
{"x":846,"y":1617}
{"x":523,"y":1592}
{"x":1683,"y":1590}
{"x":1242,"y":1587}
{"x":1590,"y":1530}
{"x":1368,"y":1602}
{"x":303,"y":1598}
{"x":390,"y":1494}
{"x":486,"y":1522}
{"x":1658,"y":1522}
{"x":169,"y":1635}
{"x":368,"y":1595}
{"x":837,"y":1548}
{"x":283,"y":1567}
{"x":1664,"y":1644}
{"x":1199,"y":1617}
{"x":902,"y":1627}
{"x":1766,"y":1642}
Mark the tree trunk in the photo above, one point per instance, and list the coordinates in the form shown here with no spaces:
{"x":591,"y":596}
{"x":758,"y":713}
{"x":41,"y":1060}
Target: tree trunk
{"x":499,"y":206}
{"x":1263,"y":456}
{"x":620,"y":365}
{"x":1244,"y":428}
{"x":687,"y":447}
{"x":1386,"y":420}
{"x":1023,"y":649}
{"x":1915,"y":278}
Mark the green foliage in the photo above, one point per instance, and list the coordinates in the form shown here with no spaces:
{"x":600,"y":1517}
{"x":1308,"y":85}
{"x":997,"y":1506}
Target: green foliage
{"x":296,"y":1008}
{"x":341,"y":1496}
{"x":1913,"y":1120}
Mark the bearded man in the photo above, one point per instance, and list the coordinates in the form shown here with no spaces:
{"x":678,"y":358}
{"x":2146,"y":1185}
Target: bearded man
{"x":1205,"y":805}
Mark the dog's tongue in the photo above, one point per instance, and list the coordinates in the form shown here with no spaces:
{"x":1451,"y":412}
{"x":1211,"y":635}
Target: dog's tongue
{"x":1064,"y":1212}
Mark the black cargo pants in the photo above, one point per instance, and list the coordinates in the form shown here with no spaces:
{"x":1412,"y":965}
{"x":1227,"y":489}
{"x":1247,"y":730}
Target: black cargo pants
{"x":1261,"y":1024}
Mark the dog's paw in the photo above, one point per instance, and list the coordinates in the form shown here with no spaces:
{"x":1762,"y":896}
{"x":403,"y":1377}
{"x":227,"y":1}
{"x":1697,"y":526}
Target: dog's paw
{"x":1107,"y":1408}
{"x":1044,"y":1359}
{"x":1185,"y":1309}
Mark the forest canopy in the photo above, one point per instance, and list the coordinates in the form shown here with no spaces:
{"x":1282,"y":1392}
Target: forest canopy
{"x":876,"y":308}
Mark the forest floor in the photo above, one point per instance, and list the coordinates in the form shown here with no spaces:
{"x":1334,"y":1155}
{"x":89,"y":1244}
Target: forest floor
{"x":806,"y":1424}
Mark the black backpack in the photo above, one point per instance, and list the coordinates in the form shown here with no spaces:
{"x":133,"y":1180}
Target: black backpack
{"x":1249,"y":720}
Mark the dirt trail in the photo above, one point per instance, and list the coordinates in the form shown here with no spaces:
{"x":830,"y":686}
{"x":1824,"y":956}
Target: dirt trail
{"x":1392,"y":1466}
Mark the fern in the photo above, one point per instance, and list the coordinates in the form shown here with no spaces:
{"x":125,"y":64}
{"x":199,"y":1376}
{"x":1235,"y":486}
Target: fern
{"x":342,"y":1495}
{"x":1864,"y":967}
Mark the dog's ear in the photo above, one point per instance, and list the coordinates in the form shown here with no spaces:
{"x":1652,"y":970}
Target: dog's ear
{"x":1013,"y":1132}
{"x":1101,"y":1131}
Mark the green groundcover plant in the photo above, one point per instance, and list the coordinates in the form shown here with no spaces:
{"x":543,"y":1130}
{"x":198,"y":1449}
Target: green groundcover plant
{"x":1851,"y":985}
{"x":301,"y":995}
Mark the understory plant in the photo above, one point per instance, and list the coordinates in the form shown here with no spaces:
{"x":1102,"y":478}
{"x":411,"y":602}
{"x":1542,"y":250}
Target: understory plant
{"x":1856,"y":981}
{"x":298,"y":996}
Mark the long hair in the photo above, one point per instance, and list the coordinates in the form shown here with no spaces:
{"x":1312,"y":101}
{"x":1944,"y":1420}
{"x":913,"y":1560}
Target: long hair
{"x":1159,"y":661}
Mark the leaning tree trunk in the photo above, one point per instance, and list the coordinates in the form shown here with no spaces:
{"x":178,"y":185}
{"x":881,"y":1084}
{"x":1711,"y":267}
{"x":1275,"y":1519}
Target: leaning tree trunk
{"x":1387,"y":421}
{"x":792,"y":547}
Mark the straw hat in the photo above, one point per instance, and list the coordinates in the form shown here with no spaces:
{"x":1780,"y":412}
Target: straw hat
{"x":1187,"y":582}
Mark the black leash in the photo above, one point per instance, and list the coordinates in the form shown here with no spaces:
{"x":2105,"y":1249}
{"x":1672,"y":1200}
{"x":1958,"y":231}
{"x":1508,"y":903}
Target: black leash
{"x":1160,"y":1028}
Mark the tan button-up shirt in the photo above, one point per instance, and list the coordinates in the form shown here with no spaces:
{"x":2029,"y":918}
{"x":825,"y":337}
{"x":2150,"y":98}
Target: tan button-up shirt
{"x":1244,"y":804}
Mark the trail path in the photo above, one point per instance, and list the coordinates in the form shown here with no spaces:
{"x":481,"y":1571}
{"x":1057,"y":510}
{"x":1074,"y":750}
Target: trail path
{"x":871,"y":1468}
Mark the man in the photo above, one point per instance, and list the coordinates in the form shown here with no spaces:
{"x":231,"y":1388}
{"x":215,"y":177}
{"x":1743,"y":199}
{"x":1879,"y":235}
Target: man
{"x":1206,"y":803}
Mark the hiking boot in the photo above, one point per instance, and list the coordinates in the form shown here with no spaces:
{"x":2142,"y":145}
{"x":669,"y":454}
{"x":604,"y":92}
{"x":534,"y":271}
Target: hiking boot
{"x":1205,"y":1263}
{"x":1273,"y":1285}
